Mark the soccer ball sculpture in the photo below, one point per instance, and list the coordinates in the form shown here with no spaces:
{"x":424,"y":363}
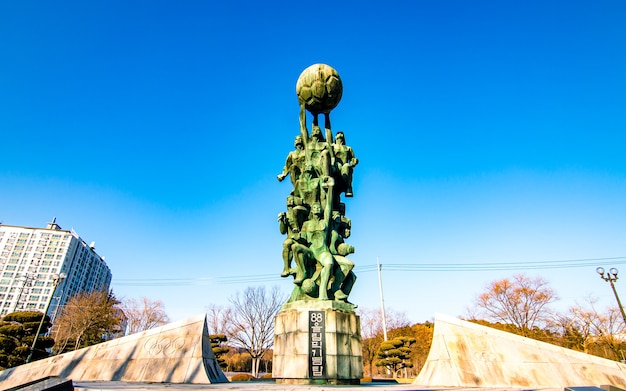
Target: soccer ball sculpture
{"x":319,"y":88}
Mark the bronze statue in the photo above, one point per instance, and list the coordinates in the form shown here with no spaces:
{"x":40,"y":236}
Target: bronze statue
{"x":294,"y":163}
{"x":320,"y":168}
{"x":345,"y":161}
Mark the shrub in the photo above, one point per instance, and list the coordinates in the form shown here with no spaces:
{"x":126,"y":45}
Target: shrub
{"x":241,"y":377}
{"x":267,"y":376}
{"x":13,"y":330}
{"x":23,"y":316}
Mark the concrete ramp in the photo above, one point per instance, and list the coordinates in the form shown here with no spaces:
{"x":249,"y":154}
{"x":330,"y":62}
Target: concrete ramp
{"x":465,"y":354}
{"x":179,"y":352}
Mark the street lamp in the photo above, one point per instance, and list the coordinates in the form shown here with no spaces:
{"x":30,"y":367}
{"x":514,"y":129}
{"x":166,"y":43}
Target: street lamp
{"x":611,"y":277}
{"x":56,"y":280}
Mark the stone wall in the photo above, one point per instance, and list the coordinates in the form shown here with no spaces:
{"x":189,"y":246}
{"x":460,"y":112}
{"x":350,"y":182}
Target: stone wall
{"x":179,"y":352}
{"x":465,"y":354}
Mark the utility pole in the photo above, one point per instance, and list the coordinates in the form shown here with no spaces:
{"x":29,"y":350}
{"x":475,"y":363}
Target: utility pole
{"x":382,"y":300}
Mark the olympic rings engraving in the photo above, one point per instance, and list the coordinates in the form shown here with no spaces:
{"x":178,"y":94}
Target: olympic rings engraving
{"x":164,"y":346}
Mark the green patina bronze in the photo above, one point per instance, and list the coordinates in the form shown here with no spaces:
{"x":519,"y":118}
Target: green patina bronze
{"x":320,"y":169}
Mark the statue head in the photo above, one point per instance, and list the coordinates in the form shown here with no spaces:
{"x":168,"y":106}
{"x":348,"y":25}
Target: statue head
{"x":316,"y":133}
{"x":316,"y":209}
{"x":298,"y":142}
{"x":340,"y":138}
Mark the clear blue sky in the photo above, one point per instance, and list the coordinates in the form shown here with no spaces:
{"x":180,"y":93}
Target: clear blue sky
{"x":489,"y":133}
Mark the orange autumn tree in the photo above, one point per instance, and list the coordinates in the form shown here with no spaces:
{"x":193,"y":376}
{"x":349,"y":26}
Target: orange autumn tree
{"x":521,"y":301}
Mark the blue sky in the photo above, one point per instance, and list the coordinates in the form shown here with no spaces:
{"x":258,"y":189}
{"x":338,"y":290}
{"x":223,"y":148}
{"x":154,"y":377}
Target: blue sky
{"x":489,"y":133}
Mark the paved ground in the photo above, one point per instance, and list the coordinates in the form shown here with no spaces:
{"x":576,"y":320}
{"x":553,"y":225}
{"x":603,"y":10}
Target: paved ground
{"x":264,"y":386}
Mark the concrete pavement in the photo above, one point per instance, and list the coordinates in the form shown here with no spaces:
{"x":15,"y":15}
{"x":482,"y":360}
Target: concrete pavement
{"x":265,"y":386}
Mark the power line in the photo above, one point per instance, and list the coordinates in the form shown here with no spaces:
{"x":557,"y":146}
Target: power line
{"x":389,"y":267}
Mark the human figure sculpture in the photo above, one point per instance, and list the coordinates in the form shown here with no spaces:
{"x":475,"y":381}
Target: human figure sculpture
{"x":345,"y":161}
{"x":290,"y":223}
{"x":294,"y":163}
{"x":341,"y":227}
{"x":315,"y":230}
{"x":318,"y":150}
{"x":343,"y":277}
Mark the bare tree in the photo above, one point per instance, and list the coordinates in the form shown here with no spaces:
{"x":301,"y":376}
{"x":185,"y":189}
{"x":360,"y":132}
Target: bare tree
{"x":251,"y":324}
{"x":592,"y":331}
{"x":218,"y":318}
{"x":521,"y":301}
{"x":144,"y":314}
{"x":84,"y":319}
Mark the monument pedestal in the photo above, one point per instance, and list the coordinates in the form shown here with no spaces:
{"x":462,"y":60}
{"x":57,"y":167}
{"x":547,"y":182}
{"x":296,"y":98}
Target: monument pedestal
{"x":317,"y":342}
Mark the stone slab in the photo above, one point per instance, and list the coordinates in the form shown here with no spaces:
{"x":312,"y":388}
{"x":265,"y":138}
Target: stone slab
{"x":179,"y":352}
{"x":465,"y":354}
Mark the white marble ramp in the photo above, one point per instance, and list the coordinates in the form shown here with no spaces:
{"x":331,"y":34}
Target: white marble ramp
{"x":178,"y":352}
{"x":465,"y":354}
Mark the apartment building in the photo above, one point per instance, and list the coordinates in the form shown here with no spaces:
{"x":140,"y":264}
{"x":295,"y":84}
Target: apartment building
{"x":31,"y":259}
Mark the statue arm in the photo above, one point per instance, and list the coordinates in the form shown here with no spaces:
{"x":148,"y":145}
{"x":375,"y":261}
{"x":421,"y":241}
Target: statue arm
{"x":303,"y":130}
{"x":329,"y":138}
{"x":288,"y":164}
{"x":353,"y":160}
{"x":329,"y":183}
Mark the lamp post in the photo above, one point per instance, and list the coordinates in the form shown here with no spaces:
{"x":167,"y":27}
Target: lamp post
{"x":611,"y":277}
{"x":56,"y":280}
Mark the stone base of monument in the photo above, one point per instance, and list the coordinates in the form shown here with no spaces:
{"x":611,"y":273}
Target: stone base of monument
{"x":317,"y":342}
